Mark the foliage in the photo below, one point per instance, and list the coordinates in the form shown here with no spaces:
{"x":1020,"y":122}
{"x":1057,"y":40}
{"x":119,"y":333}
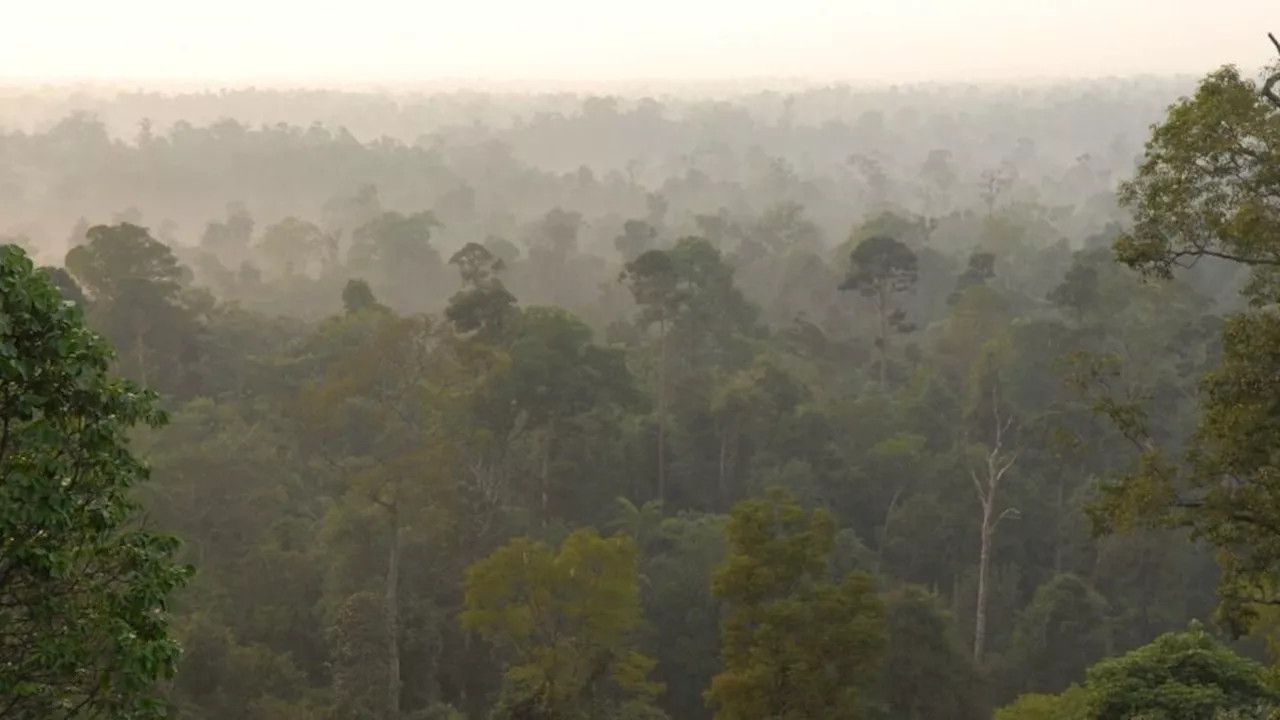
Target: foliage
{"x":1071,"y":704}
{"x":1203,"y":192}
{"x":642,"y":301}
{"x":84,"y":591}
{"x":564,"y":619}
{"x":1179,"y":675}
{"x":1060,"y":634}
{"x":928,"y":669}
{"x":794,"y":644}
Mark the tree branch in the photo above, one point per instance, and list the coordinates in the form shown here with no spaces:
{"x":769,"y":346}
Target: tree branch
{"x":1268,"y":90}
{"x":977,"y":485}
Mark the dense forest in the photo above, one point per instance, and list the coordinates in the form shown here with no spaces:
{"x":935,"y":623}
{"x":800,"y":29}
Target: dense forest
{"x":921,"y":403}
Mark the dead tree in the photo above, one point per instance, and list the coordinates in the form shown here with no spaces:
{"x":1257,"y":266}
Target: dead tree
{"x":986,"y":481}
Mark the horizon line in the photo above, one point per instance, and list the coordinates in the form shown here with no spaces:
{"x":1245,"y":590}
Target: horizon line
{"x":536,"y":86}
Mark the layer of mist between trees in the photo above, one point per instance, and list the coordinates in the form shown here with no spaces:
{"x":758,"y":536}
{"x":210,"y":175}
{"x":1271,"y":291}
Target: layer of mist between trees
{"x":493,"y":164}
{"x":774,"y":406}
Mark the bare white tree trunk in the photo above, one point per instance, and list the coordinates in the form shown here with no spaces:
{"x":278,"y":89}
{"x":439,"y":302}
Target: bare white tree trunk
{"x":986,"y":481}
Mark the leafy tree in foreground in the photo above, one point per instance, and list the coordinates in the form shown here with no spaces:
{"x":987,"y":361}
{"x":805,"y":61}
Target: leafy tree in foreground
{"x":1073,"y":704}
{"x":1206,"y":189}
{"x":1187,"y":676}
{"x":1179,"y":676}
{"x":794,"y":644}
{"x":565,"y":621}
{"x":83,"y":594}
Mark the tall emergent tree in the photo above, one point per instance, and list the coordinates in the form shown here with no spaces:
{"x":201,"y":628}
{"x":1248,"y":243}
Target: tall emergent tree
{"x":880,"y":268}
{"x":83,"y":590}
{"x":135,"y":285}
{"x":655,"y":283}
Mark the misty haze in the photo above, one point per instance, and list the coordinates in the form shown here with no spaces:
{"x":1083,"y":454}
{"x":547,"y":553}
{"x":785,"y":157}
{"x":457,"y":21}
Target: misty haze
{"x":672,"y":361}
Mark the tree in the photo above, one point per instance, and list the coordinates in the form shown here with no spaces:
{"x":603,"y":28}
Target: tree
{"x":395,"y":252}
{"x":357,"y":296}
{"x":928,"y":674}
{"x":1202,"y":188}
{"x":981,"y":268}
{"x":748,"y":407}
{"x":1078,"y":291}
{"x":83,"y":590}
{"x":1059,"y":635}
{"x":877,"y":185}
{"x":228,"y":240}
{"x":794,"y":644}
{"x":939,"y":176}
{"x":679,"y":553}
{"x":360,"y":661}
{"x":555,"y":236}
{"x":564,"y":621}
{"x":637,"y":238}
{"x":298,"y":246}
{"x":996,"y":461}
{"x":1073,"y":704}
{"x":483,"y":304}
{"x":134,"y":284}
{"x":377,"y":415}
{"x":654,"y":283}
{"x":556,"y":377}
{"x":1205,"y":191}
{"x":994,"y":183}
{"x":783,"y":228}
{"x":881,"y":268}
{"x":1187,"y":676}
{"x":67,"y":286}
{"x":1181,"y":675}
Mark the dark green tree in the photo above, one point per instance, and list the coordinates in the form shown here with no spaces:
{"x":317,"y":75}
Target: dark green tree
{"x":1059,"y":635}
{"x":654,"y":281}
{"x":928,"y":674}
{"x":1078,"y":291}
{"x":135,"y":287}
{"x":882,"y":268}
{"x":483,"y":304}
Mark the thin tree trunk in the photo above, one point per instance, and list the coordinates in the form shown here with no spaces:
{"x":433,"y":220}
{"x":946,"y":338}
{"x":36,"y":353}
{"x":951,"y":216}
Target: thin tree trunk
{"x":884,"y":530}
{"x":884,"y":334}
{"x":392,"y":599}
{"x":984,"y":567}
{"x":662,"y":411}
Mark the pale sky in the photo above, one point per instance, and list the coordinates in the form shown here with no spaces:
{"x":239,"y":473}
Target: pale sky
{"x":321,"y":42}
